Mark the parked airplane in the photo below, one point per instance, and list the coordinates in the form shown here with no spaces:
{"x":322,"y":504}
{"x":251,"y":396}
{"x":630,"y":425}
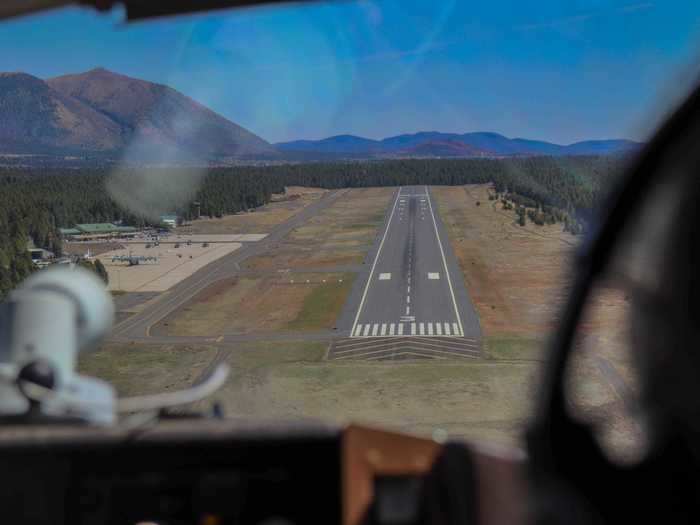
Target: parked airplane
{"x":134,"y":260}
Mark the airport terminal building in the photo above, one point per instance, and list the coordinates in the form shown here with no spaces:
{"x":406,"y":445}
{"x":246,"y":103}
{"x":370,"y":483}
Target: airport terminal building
{"x":96,"y":231}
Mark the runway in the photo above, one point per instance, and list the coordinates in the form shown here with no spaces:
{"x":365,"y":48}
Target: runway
{"x":414,"y":287}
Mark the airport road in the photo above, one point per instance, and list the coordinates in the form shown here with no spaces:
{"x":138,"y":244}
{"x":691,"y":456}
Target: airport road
{"x":413,"y":286}
{"x":138,"y":326}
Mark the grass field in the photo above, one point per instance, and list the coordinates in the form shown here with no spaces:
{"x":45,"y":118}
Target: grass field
{"x":145,"y":369}
{"x":263,"y":303}
{"x":322,"y":305}
{"x":286,"y":380}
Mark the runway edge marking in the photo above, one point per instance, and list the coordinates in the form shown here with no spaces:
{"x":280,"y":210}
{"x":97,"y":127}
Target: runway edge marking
{"x":374,"y":264}
{"x":444,"y":263}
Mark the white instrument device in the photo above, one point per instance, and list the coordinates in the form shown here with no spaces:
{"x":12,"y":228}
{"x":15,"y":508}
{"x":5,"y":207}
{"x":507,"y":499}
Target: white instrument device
{"x":45,"y":322}
{"x":53,"y":315}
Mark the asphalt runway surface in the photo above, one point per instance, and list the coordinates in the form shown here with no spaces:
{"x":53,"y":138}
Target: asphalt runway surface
{"x":413,"y":286}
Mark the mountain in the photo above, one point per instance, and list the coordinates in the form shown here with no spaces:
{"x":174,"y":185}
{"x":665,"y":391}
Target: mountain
{"x":107,"y":114}
{"x":101,"y":111}
{"x":433,"y":143}
{"x":155,"y":116}
{"x":38,"y":119}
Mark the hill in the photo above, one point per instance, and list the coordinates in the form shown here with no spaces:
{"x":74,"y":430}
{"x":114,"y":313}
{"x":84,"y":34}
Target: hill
{"x":433,"y":143}
{"x":38,"y":119}
{"x":157,"y":117}
{"x":443,"y":148}
{"x":101,"y":111}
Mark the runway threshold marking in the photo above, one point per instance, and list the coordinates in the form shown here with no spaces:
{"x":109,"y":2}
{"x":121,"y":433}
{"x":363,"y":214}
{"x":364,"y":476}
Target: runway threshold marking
{"x":430,"y":329}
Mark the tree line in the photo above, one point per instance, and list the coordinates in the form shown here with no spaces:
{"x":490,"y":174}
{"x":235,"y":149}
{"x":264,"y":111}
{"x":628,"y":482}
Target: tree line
{"x":35,"y":202}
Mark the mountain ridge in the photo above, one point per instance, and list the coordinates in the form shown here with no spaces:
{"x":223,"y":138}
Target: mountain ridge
{"x":121,"y":117}
{"x":106,"y":112}
{"x":481,"y":143}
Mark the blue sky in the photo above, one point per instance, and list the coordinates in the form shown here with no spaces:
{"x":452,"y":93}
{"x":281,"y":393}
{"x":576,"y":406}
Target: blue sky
{"x":551,"y":70}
